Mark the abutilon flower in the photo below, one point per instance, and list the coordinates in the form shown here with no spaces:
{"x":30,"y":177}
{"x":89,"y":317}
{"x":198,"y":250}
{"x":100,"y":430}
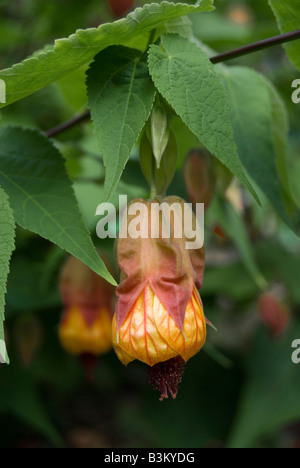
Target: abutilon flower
{"x":85,"y":327}
{"x":159,"y":316}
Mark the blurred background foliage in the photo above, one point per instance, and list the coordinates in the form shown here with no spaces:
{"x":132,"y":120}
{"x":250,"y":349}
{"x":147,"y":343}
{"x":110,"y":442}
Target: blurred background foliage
{"x":242,"y":389}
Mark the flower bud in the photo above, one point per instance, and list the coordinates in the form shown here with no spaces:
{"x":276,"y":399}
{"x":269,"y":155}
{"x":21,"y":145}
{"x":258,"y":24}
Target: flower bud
{"x":159,"y":132}
{"x":218,"y":231}
{"x":274,"y":313}
{"x":199,"y":177}
{"x":159,"y":313}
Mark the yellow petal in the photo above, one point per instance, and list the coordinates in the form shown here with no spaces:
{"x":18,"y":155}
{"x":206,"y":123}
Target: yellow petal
{"x":139,"y":337}
{"x":78,"y":337}
{"x":124,"y":357}
{"x":99,"y":334}
{"x":193,"y":339}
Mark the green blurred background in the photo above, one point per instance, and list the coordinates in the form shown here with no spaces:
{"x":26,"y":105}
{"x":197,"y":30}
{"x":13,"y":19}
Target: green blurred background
{"x":242,"y":389}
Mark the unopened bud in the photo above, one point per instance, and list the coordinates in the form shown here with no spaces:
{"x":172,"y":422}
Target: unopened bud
{"x":159,"y":132}
{"x":199,"y":177}
{"x":274,"y":313}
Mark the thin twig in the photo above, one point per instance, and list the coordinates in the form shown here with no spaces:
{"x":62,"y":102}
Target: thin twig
{"x":257,"y":46}
{"x":249,"y":49}
{"x":95,"y":180}
{"x":68,"y":124}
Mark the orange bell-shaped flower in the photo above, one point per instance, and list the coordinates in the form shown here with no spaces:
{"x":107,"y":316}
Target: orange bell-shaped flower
{"x":159,"y":314}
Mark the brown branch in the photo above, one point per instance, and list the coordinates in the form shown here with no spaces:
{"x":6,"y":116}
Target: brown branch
{"x":257,"y":46}
{"x":249,"y":49}
{"x":68,"y":124}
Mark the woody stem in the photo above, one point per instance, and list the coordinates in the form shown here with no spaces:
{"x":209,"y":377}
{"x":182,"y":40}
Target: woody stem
{"x":257,"y":46}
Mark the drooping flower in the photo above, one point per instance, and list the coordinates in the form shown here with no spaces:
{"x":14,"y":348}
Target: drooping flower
{"x":159,"y":314}
{"x":85,"y":327}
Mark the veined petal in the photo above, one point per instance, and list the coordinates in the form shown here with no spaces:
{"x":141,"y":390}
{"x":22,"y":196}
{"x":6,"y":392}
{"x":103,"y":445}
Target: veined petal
{"x":188,"y":344}
{"x":139,"y":337}
{"x":124,"y":357}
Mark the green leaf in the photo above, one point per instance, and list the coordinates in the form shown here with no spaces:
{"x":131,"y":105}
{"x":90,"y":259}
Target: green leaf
{"x":287,"y":13}
{"x":232,"y":223}
{"x":121,"y":95}
{"x":73,"y":89}
{"x":185,"y":139}
{"x":281,"y":264}
{"x":25,"y":288}
{"x":182,"y":26}
{"x":185,"y":77}
{"x":88,"y":192}
{"x":231,"y":280}
{"x":7,"y":236}
{"x":19,"y":396}
{"x":270,"y":398}
{"x":47,"y":66}
{"x":33,"y":174}
{"x":260,"y":124}
{"x":280,"y":129}
{"x":219,"y":29}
